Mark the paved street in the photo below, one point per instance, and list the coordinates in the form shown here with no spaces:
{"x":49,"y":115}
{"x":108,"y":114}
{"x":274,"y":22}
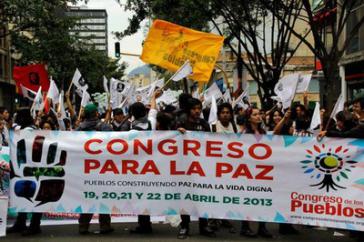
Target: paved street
{"x":167,"y":233}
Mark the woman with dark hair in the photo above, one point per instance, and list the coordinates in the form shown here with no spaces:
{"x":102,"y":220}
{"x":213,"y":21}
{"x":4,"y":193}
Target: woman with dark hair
{"x":254,"y":125}
{"x":24,"y":120}
{"x":301,"y":120}
{"x":275,"y":118}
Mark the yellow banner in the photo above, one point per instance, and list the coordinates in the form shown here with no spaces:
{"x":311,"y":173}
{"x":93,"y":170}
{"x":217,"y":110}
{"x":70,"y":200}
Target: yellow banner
{"x":169,"y":45}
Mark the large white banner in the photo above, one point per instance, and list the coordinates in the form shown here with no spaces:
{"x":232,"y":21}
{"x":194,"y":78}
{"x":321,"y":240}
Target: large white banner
{"x":3,"y":214}
{"x":282,"y":179}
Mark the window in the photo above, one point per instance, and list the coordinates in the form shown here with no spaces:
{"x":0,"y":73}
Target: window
{"x":357,"y":40}
{"x":90,"y":27}
{"x":93,"y":20}
{"x":98,"y":41}
{"x":89,"y":34}
{"x":100,"y":47}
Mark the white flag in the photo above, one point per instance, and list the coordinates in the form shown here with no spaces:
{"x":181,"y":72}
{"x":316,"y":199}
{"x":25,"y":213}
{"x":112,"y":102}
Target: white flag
{"x":142,"y":94}
{"x":286,"y":89}
{"x":38,"y":103}
{"x":235,"y":80}
{"x":79,"y":81}
{"x":27,"y":93}
{"x":303,"y":83}
{"x":212,"y":91}
{"x":168,"y":97}
{"x":196,"y":93}
{"x":213,"y":111}
{"x":53,"y":92}
{"x":61,"y":109}
{"x":227,"y":96}
{"x":118,"y":90}
{"x":242,"y":100}
{"x":85,"y":99}
{"x":339,"y":106}
{"x":316,"y":118}
{"x":106,"y":88}
{"x":184,"y":71}
{"x":159,"y":83}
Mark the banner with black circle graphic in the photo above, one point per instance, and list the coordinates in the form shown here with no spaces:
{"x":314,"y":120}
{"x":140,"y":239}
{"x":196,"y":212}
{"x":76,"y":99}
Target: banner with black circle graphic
{"x":282,"y":179}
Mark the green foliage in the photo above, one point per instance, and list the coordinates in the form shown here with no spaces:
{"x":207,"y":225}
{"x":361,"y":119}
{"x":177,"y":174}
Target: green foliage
{"x":189,"y":13}
{"x":47,"y":41}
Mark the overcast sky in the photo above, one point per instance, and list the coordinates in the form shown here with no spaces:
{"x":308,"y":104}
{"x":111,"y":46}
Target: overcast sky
{"x":118,"y":21}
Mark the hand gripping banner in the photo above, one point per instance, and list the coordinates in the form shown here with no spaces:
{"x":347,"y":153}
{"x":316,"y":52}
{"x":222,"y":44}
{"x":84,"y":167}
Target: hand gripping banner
{"x":282,"y":179}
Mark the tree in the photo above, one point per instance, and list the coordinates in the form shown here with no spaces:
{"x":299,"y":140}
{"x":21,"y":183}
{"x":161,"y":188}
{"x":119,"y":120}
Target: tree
{"x":266,"y":41}
{"x":336,"y":16}
{"x":27,"y":15}
{"x":247,"y":24}
{"x":48,"y":41}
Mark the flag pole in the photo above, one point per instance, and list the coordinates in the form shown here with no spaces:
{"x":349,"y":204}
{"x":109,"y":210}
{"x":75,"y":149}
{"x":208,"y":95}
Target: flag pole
{"x":69,"y":88}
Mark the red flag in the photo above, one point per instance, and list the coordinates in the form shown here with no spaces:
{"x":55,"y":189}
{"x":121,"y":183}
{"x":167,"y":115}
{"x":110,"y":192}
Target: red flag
{"x":31,"y":77}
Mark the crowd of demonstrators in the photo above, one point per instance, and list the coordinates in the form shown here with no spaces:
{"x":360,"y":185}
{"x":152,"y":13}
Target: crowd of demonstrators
{"x":186,"y":116}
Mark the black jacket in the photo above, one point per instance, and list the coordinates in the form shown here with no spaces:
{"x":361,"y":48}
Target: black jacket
{"x":94,"y":125}
{"x":356,"y":132}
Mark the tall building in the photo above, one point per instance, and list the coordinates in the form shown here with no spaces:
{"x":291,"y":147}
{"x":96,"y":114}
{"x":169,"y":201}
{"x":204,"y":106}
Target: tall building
{"x":91,"y":27}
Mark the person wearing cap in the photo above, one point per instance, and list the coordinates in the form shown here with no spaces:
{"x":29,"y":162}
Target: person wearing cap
{"x":92,"y":122}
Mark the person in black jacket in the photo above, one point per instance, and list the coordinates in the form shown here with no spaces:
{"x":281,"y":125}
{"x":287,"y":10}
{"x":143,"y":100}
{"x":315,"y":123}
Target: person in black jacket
{"x":118,"y":119}
{"x":90,"y":123}
{"x":193,"y":122}
{"x":345,"y":131}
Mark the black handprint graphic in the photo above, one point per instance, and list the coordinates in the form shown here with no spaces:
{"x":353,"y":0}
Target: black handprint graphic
{"x":47,"y":185}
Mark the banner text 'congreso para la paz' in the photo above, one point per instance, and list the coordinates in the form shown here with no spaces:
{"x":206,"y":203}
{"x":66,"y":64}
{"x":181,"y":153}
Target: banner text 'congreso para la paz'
{"x":282,"y":179}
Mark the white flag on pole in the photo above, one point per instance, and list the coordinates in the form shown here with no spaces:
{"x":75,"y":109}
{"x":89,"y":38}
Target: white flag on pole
{"x":27,"y":93}
{"x":243,"y":99}
{"x":227,"y":96}
{"x":38,"y":103}
{"x":303,"y":83}
{"x":159,"y":83}
{"x":213,"y":111}
{"x":196,"y":93}
{"x":316,"y":117}
{"x":106,"y":88}
{"x":184,"y":71}
{"x":86,"y":98}
{"x":168,"y":97}
{"x":339,"y":106}
{"x":212,"y":91}
{"x":61,"y":109}
{"x":286,"y":89}
{"x":79,"y":81}
{"x":118,"y":91}
{"x":53,"y":92}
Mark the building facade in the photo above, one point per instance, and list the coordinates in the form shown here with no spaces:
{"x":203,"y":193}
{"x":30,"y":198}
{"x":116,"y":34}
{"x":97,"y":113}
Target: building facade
{"x":91,"y":28}
{"x":353,"y":60}
{"x":7,"y":85}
